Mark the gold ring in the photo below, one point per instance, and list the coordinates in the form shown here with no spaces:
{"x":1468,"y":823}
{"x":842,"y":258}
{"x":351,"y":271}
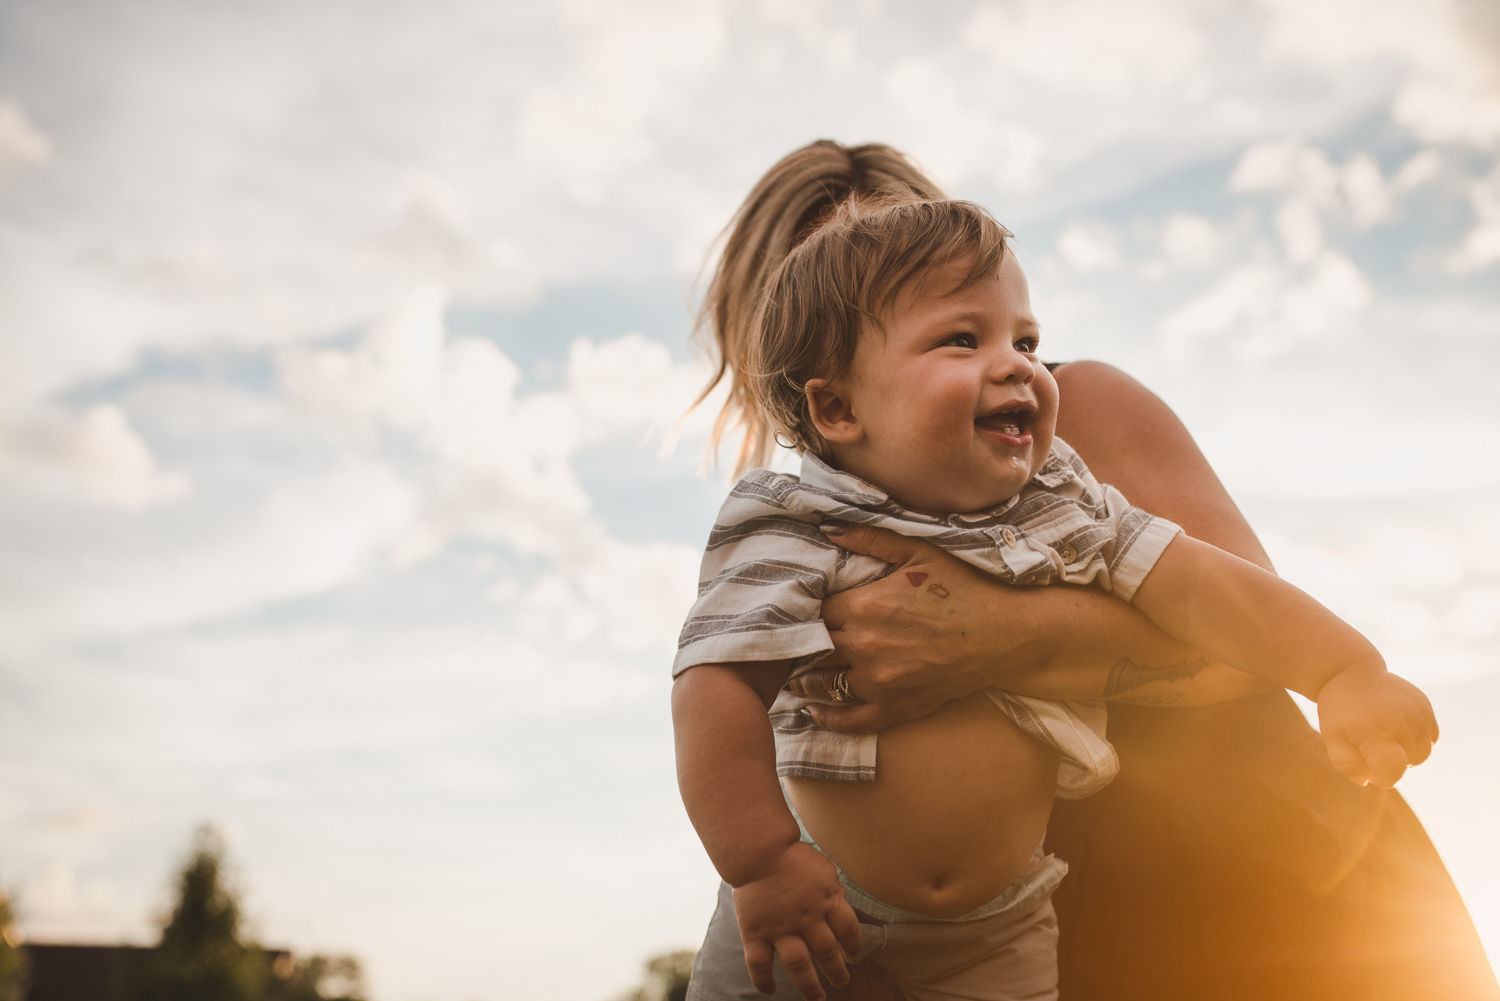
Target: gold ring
{"x":839,"y":689}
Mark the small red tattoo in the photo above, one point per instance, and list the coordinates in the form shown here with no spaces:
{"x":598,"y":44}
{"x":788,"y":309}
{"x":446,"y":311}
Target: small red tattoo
{"x":916,"y":577}
{"x":938,"y":589}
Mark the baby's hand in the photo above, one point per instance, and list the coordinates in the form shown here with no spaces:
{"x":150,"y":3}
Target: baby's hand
{"x":796,"y":910}
{"x":1375,"y":725}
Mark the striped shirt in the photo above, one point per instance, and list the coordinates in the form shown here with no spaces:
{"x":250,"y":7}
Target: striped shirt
{"x":767,"y":568}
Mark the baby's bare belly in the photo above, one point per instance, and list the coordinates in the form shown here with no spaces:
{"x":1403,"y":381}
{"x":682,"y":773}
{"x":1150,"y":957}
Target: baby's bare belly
{"x":960,"y":800}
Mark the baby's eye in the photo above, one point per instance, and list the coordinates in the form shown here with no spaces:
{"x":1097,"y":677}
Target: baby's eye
{"x":1027,"y":345}
{"x":962,"y":341}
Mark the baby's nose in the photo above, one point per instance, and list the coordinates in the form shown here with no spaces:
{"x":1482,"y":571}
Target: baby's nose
{"x":1011,"y":365}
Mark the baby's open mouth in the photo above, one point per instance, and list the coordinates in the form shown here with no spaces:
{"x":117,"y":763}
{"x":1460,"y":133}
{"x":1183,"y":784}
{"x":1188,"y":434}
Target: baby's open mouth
{"x":1013,"y":419}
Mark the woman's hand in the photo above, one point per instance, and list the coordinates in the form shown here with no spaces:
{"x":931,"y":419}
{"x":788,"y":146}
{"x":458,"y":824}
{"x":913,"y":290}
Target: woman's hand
{"x":936,"y":630}
{"x":911,"y":642}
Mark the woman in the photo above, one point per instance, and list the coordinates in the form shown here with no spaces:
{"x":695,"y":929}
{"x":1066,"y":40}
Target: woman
{"x":1229,"y":859}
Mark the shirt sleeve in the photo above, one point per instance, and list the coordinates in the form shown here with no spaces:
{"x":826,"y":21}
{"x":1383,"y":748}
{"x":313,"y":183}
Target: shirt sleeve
{"x":1139,"y":540}
{"x":760,"y":592}
{"x":1115,"y":545}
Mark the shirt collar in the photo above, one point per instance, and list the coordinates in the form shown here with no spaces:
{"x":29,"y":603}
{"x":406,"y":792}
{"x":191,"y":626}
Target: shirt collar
{"x":847,"y":487}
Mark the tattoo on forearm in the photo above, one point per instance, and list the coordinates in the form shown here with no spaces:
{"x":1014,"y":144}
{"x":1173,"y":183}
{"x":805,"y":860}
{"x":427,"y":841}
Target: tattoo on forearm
{"x":1150,"y":700}
{"x":1127,"y":675}
{"x":916,"y":577}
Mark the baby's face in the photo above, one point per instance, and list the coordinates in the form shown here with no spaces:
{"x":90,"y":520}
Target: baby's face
{"x":954,"y":411}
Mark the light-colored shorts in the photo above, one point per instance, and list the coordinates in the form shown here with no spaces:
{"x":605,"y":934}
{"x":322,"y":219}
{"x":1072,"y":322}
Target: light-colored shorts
{"x":1008,"y":955}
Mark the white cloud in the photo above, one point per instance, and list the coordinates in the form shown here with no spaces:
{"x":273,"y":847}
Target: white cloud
{"x":1451,"y":87}
{"x":643,"y":591}
{"x":959,"y":137}
{"x":1283,"y":164}
{"x":1090,"y":246}
{"x":1481,"y":247}
{"x":624,"y":596}
{"x":431,"y":241}
{"x":1264,"y":310}
{"x":1191,"y":242}
{"x":1303,"y":174}
{"x":1313,"y":190}
{"x":22,"y":144}
{"x":628,"y":64}
{"x":498,"y":463}
{"x":1300,"y":228}
{"x":198,"y":268}
{"x":1092,"y":45}
{"x":97,"y":453}
{"x":114,"y":578}
{"x":1365,"y":190}
{"x":1429,"y":619}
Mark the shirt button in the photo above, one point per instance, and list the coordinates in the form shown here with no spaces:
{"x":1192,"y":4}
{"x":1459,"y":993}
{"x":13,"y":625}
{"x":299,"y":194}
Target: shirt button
{"x":1068,"y":554}
{"x":1009,"y":536}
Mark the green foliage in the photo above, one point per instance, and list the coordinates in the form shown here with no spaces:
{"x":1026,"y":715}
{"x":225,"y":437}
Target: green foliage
{"x":666,"y":977}
{"x":204,"y":956}
{"x":201,"y":956}
{"x":319,"y":978}
{"x":206,"y":914}
{"x":12,"y":960}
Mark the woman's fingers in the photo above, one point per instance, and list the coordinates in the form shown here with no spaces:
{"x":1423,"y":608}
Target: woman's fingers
{"x":832,"y":683}
{"x":853,"y":720}
{"x":880,"y":543}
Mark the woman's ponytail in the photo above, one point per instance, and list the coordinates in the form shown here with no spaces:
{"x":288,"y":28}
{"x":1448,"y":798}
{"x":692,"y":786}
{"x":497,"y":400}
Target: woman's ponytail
{"x":783,"y":207}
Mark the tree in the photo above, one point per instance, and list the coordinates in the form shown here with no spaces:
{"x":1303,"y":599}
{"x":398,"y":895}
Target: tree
{"x":320,"y":978}
{"x":666,"y":978}
{"x":12,"y":960}
{"x":201,"y":956}
{"x":204,"y":956}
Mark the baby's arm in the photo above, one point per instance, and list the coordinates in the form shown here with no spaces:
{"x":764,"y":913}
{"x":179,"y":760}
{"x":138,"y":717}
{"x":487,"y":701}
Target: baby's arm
{"x":787,"y":896}
{"x":1374,"y":723}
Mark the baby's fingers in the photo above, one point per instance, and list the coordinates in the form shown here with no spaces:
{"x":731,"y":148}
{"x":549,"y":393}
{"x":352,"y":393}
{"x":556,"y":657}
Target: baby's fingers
{"x":758,"y":960}
{"x":1387,"y":761}
{"x":845,"y":926}
{"x":1347,"y":759}
{"x":799,"y":966}
{"x":1421,"y":752}
{"x":829,"y":954}
{"x":1418,"y":746}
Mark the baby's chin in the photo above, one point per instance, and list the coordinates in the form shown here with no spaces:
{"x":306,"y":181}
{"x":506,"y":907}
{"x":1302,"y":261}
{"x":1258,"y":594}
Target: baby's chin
{"x":970,"y":500}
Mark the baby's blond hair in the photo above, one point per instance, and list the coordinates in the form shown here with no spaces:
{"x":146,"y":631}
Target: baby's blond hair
{"x":840,"y":283}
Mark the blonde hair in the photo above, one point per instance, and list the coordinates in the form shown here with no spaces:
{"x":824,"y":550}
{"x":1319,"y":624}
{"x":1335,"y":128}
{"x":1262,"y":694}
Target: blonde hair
{"x":785,"y":205}
{"x":843,"y":280}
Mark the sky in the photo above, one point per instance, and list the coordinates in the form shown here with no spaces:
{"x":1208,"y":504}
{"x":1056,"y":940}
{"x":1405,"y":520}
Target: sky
{"x":342,"y":347}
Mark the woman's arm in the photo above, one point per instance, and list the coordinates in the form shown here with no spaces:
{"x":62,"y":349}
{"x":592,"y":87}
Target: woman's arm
{"x":1131,"y":439}
{"x":911,"y":650}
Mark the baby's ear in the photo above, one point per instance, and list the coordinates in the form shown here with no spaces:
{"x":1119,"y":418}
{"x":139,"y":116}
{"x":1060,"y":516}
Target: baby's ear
{"x":830,"y":412}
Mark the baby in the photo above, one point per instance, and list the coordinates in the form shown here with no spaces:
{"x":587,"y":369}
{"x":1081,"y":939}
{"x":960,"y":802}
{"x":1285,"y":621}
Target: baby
{"x":895,"y":348}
